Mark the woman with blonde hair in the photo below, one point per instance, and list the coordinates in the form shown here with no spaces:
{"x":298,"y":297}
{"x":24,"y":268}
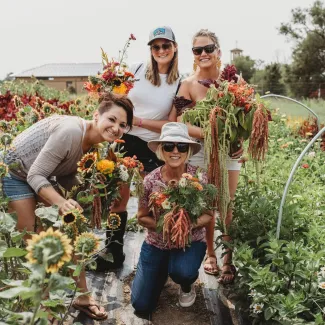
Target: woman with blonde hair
{"x":157,"y":260}
{"x":207,"y":63}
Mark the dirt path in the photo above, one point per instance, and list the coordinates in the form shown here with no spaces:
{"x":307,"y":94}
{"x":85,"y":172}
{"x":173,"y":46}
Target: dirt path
{"x":168,"y":311}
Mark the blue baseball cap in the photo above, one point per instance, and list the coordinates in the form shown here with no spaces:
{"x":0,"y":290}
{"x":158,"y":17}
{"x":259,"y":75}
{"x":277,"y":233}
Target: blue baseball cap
{"x":161,"y":32}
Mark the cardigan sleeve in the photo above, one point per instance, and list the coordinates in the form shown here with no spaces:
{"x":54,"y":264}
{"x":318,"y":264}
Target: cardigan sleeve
{"x":56,"y":149}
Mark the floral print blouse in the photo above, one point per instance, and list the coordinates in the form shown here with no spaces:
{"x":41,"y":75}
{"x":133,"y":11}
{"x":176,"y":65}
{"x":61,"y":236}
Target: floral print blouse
{"x":153,"y":182}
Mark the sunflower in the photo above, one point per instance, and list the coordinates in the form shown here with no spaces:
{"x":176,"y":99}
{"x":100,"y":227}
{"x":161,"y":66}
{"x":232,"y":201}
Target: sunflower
{"x":105,"y":166}
{"x":113,"y":221}
{"x":56,"y":245}
{"x":87,"y":162}
{"x":6,"y":139}
{"x":86,"y":243}
{"x":121,"y":89}
{"x":3,"y":126}
{"x":70,"y":217}
{"x":3,"y":169}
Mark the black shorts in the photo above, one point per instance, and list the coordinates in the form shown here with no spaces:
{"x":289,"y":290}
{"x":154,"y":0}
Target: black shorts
{"x":135,"y":146}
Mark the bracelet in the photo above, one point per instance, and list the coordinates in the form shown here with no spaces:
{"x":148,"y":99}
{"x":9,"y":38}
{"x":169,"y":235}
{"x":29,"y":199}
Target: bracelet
{"x":140,"y":123}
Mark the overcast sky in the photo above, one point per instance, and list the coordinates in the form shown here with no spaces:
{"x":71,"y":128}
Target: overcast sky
{"x":36,"y":32}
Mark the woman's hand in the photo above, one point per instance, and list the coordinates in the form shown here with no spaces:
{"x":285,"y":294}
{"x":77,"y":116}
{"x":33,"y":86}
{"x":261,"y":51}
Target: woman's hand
{"x":202,"y":221}
{"x":239,"y":152}
{"x":68,"y":205}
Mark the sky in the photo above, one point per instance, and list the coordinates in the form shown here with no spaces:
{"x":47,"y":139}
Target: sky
{"x":37,"y":32}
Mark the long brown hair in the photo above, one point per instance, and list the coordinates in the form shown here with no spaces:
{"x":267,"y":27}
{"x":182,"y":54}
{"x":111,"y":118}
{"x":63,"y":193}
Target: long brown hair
{"x":152,"y":73}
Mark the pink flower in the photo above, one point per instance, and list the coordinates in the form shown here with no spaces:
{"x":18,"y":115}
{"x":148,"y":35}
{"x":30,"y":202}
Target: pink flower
{"x":132,"y":37}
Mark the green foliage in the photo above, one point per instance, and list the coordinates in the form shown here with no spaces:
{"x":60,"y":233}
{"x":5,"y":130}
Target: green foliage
{"x":272,"y":79}
{"x":306,"y":29}
{"x":245,"y":65}
{"x":281,"y":281}
{"x":31,"y":88}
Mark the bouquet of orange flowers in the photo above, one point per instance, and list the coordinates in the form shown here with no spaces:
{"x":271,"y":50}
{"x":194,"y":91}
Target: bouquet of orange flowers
{"x":231,"y":112}
{"x":103,"y":171}
{"x":181,"y":203}
{"x":115,"y":77}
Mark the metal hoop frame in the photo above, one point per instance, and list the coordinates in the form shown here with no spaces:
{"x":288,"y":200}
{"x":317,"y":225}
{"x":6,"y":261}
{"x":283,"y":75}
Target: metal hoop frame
{"x":296,"y":164}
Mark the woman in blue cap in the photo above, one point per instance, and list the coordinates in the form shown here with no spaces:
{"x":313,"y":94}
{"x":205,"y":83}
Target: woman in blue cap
{"x":152,"y":96}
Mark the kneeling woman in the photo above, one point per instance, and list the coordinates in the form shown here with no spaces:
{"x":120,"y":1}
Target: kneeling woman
{"x":53,"y":147}
{"x":157,"y":261}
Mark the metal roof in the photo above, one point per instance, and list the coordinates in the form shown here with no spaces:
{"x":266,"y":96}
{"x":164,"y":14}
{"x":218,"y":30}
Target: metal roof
{"x":63,"y":70}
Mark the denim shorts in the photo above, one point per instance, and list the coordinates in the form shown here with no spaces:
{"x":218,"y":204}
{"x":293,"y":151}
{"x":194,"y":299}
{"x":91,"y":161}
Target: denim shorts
{"x":15,"y":189}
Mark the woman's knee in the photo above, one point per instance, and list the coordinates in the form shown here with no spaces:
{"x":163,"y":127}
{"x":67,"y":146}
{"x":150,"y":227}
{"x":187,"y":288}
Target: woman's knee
{"x":141,"y":305}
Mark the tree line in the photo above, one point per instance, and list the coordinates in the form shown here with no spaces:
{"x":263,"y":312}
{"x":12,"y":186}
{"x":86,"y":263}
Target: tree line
{"x":305,"y":75}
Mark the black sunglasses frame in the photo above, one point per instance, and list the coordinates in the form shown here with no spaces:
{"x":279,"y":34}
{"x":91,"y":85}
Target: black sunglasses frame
{"x":208,"y":49}
{"x":164,"y":46}
{"x":181,"y":147}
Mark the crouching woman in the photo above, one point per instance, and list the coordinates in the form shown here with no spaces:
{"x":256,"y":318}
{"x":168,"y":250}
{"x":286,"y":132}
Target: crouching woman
{"x":157,"y":260}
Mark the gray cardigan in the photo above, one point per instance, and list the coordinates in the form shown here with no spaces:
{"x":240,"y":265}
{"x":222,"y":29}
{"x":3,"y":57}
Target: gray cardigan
{"x":51,"y":147}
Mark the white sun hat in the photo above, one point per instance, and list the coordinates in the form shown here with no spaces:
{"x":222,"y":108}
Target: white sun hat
{"x":176,"y":133}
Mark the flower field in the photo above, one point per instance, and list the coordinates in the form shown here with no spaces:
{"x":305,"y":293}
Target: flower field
{"x":278,"y":281}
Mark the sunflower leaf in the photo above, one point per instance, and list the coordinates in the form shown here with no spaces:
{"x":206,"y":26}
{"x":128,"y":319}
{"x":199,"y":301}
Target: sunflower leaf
{"x":14,"y":252}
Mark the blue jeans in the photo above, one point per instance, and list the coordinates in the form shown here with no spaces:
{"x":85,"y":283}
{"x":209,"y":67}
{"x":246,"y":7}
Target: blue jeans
{"x":16,"y":189}
{"x":155,"y":265}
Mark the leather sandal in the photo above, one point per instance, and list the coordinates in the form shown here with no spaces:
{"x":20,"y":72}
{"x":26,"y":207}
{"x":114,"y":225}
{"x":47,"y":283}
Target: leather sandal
{"x":211,"y":267}
{"x":227,"y":276}
{"x":85,"y":308}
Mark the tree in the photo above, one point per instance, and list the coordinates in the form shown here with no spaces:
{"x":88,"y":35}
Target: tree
{"x":258,"y":81}
{"x":307,"y":29}
{"x":245,"y":65}
{"x":273,"y":79}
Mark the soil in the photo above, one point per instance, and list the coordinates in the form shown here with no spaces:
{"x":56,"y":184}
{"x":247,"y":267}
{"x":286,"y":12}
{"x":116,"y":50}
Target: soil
{"x":168,"y":311}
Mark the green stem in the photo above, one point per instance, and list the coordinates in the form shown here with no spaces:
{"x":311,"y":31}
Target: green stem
{"x":39,"y":300}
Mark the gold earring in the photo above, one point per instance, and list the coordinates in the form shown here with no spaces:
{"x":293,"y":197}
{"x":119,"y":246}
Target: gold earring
{"x":194,"y":66}
{"x":218,"y":63}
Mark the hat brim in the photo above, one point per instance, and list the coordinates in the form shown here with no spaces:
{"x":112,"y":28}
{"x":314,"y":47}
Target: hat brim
{"x":153,"y":145}
{"x":167,"y":38}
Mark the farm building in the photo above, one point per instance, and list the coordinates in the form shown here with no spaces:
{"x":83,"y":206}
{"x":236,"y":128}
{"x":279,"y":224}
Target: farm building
{"x":62,"y":76}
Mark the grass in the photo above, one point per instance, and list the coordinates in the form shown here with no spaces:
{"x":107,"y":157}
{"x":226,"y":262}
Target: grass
{"x":295,"y":110}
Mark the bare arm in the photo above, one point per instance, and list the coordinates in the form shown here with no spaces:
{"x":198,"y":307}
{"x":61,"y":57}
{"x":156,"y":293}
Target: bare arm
{"x":145,"y":219}
{"x":151,"y":125}
{"x":194,"y":131}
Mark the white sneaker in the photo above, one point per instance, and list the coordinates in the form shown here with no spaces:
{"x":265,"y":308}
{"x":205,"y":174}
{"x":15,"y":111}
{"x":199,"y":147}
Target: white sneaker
{"x":187,"y":299}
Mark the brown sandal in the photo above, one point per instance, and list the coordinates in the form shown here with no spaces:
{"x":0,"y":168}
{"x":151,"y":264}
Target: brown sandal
{"x":227,"y":276}
{"x":86,"y":309}
{"x":210,"y":267}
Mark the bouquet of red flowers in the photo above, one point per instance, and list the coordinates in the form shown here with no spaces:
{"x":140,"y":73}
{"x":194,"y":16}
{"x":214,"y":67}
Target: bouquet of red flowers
{"x":115,"y":77}
{"x":181,"y":203}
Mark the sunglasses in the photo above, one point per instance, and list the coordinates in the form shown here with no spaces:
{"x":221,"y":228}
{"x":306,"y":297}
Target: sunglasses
{"x":181,"y":147}
{"x":165,"y":47}
{"x":208,"y":49}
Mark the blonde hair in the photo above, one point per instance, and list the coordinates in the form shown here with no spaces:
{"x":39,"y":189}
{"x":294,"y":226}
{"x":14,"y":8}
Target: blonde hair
{"x":152,"y":73}
{"x":207,"y":33}
{"x":160,"y":153}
